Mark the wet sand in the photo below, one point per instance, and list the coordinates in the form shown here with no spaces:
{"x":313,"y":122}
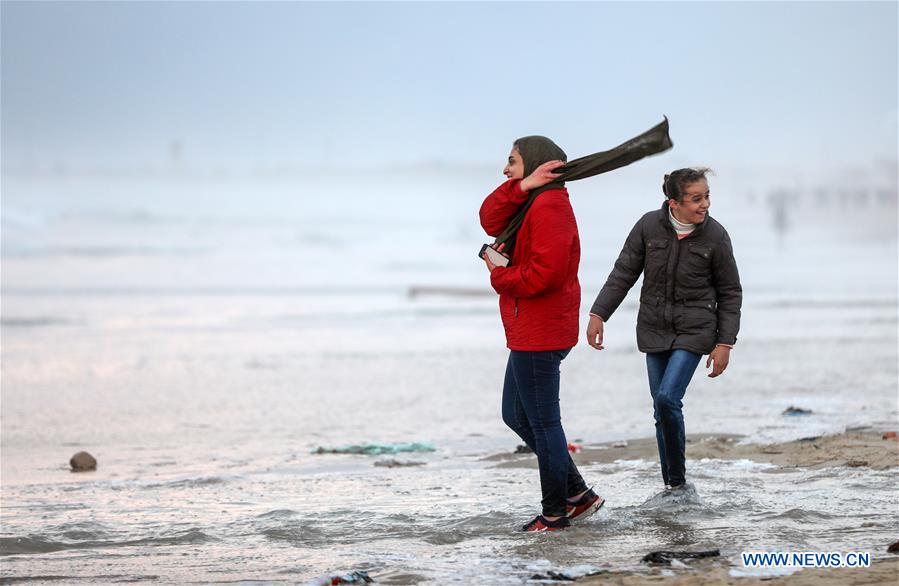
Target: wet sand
{"x":856,"y":448}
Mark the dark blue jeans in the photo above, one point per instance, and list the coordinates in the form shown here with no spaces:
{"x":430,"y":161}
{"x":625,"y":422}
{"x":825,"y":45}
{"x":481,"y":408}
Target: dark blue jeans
{"x":531,"y":409}
{"x":669,"y":374}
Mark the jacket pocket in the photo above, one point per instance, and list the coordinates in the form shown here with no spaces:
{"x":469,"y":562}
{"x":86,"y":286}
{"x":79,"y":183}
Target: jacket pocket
{"x":657,"y":246}
{"x":657,"y":250}
{"x":695,"y":270}
{"x":651,"y":312}
{"x":701,"y":255}
{"x":647,"y":299}
{"x":709,"y":305}
{"x":696,"y":317}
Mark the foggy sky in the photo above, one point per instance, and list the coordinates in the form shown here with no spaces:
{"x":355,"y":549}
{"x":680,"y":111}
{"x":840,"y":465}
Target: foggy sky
{"x":362,"y":85}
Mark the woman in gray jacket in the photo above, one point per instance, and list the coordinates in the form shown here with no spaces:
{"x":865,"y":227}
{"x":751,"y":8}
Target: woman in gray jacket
{"x":689,"y":304}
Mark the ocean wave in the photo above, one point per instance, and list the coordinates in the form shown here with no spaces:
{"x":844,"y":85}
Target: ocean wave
{"x":38,"y":578}
{"x":67,"y":579}
{"x":492,"y":524}
{"x":299,"y":532}
{"x":278,"y":514}
{"x":199,"y":482}
{"x":797,"y":515}
{"x":38,"y":544}
{"x":82,"y":531}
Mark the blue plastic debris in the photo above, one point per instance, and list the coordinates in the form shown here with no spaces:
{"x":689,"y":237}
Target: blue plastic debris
{"x":376,"y":449}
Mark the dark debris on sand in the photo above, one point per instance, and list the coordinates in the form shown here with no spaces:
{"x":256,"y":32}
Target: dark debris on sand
{"x":664,"y":557}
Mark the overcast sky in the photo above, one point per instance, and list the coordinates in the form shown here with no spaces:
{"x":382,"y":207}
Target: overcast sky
{"x":360,"y":85}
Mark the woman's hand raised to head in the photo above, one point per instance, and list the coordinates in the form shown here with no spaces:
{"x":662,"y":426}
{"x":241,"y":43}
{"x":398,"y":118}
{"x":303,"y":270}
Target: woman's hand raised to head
{"x":541,"y":175}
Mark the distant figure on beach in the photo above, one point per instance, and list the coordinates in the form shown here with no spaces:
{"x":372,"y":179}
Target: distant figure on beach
{"x":689,"y":304}
{"x":780,"y":221}
{"x":539,"y":299}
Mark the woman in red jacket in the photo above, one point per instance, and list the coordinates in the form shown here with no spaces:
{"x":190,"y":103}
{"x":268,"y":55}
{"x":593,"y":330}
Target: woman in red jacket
{"x":539,"y":299}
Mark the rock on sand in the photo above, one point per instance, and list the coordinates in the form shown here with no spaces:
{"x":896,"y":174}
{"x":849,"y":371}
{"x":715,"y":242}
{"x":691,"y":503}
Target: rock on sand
{"x":83,"y":462}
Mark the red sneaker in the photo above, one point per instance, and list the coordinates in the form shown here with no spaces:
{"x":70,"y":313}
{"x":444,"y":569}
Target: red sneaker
{"x":541,"y":523}
{"x":589,"y":503}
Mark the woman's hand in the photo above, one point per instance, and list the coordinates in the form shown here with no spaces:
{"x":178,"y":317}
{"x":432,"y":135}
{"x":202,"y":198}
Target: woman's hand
{"x":720,"y":356}
{"x":541,"y":176}
{"x":486,"y":257}
{"x":594,"y":332}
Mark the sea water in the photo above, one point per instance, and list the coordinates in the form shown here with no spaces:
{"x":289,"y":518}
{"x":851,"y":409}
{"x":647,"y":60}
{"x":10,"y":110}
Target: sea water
{"x":202,"y":338}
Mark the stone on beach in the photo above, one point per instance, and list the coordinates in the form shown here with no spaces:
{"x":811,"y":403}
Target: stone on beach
{"x":894,"y":547}
{"x":83,"y":462}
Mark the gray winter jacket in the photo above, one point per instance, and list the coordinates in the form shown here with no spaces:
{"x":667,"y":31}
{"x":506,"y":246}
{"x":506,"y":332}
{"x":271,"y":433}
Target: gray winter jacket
{"x":691,"y":293}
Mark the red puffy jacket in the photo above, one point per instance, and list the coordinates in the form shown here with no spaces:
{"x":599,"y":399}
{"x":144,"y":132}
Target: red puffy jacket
{"x":539,"y":293}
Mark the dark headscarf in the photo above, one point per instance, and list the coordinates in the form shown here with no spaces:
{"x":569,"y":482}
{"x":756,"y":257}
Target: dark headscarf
{"x":536,"y":150}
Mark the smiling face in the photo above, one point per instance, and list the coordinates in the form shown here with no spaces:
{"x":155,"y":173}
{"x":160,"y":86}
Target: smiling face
{"x":515,"y":167}
{"x":694,"y":205}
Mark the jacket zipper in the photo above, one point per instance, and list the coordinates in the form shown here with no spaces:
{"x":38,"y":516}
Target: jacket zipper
{"x":669,"y":286}
{"x":516,"y":307}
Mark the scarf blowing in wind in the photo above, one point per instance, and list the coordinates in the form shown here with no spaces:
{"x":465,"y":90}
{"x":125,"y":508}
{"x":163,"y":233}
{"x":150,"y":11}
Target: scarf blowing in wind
{"x":536,"y":150}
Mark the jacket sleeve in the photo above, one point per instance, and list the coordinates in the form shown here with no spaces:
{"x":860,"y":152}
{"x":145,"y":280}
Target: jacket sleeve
{"x":623,"y":276}
{"x":726,"y":280}
{"x":500,"y":206}
{"x":552,"y":231}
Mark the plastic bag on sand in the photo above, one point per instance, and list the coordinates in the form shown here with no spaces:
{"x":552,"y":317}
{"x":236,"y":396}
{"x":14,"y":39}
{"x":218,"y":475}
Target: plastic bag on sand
{"x":376,"y":449}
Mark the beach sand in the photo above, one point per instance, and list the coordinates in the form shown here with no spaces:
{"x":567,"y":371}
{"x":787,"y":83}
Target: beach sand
{"x":855,"y":448}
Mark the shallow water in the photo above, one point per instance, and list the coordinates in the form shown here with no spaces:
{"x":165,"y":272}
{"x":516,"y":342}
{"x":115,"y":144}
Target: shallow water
{"x":452,"y":521}
{"x":203,"y":360}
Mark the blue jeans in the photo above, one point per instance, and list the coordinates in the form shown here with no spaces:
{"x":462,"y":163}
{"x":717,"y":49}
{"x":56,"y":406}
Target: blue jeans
{"x":531,"y":409}
{"x":669,"y":374}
